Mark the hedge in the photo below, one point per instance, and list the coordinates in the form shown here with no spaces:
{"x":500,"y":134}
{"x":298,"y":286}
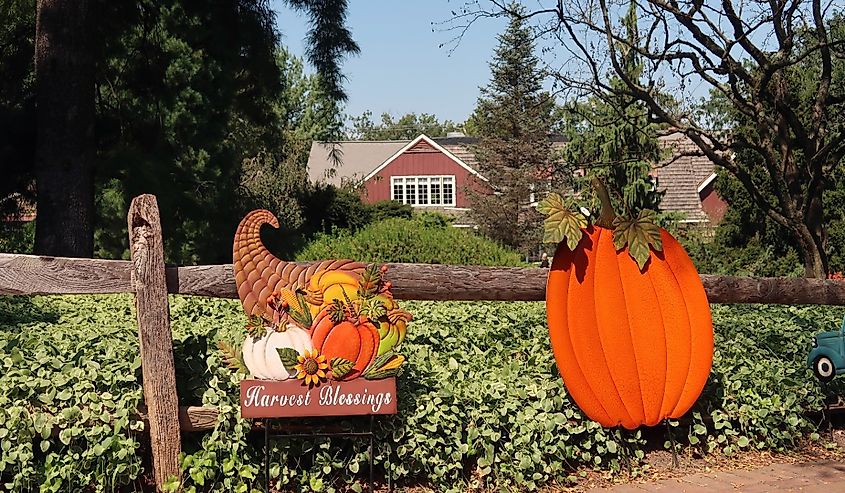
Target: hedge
{"x":481,"y":403}
{"x":426,"y":238}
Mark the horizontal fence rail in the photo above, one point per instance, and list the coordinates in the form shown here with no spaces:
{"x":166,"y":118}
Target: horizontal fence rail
{"x":30,"y":274}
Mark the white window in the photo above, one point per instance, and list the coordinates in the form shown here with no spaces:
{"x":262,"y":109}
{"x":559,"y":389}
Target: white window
{"x":423,"y":191}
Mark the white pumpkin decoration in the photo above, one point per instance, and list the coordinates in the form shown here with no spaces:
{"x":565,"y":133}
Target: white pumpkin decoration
{"x":249,"y":350}
{"x":261,"y":355}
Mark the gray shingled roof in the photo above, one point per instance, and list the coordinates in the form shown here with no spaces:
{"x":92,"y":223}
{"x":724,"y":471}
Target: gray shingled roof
{"x":357,"y":158}
{"x":681,"y":178}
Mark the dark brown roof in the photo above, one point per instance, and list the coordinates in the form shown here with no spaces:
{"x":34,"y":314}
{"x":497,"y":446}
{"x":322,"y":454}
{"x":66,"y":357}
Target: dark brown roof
{"x":24,"y":207}
{"x":682,"y":177}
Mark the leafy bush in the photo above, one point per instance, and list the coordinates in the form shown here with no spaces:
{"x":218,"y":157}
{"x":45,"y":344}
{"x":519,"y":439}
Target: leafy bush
{"x":713,"y":256}
{"x":68,"y":365}
{"x":480,"y":403}
{"x":427,"y":238}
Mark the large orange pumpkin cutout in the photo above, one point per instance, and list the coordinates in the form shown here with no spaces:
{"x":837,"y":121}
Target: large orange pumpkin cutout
{"x":633,"y":346}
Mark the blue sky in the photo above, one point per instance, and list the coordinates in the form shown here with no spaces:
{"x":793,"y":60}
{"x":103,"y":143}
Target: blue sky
{"x":401,"y":68}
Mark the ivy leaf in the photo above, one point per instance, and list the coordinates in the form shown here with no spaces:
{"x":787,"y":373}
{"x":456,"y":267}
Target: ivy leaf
{"x":341,"y":367}
{"x":288,"y":356}
{"x":640,"y":235}
{"x":562,"y":222}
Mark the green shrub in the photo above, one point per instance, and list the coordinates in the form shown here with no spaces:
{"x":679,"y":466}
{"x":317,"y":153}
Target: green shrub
{"x":753,"y":259}
{"x":70,"y":365}
{"x":427,"y":238}
{"x":480,"y":402}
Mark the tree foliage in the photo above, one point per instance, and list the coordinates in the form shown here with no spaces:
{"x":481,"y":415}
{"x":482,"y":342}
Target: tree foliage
{"x":748,"y":53}
{"x":193,"y":102}
{"x":17,"y":104}
{"x":513,"y":121}
{"x":746,"y":223}
{"x":611,"y":136}
{"x":406,"y":127}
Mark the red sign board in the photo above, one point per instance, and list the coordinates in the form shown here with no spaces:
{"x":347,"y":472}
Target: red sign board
{"x":290,"y":398}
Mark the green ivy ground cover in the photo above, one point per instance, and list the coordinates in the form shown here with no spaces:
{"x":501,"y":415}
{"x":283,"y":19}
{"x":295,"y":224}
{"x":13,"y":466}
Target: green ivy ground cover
{"x":481,"y":404}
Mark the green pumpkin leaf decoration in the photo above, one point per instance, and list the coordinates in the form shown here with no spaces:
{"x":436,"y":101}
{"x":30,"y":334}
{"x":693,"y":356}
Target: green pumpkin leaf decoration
{"x":373,"y":308}
{"x":370,"y":281}
{"x":340,"y":367}
{"x":337,"y":311}
{"x":640,"y":234}
{"x":562,"y":223}
{"x":288,"y":356}
{"x":255,"y":326}
{"x":231,"y":356}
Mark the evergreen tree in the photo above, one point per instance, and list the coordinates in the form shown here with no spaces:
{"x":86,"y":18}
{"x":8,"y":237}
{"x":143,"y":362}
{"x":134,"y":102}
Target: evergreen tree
{"x":169,"y":97}
{"x":612,"y":138}
{"x":17,"y":105}
{"x":513,"y":122}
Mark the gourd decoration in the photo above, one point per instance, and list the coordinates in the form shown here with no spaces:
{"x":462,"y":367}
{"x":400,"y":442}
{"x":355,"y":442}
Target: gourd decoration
{"x":628,"y":317}
{"x":330,"y":320}
{"x":338,"y":334}
{"x":261,"y":354}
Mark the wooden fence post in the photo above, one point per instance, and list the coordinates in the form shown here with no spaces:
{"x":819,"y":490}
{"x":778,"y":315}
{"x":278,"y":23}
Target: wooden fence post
{"x":152,"y":310}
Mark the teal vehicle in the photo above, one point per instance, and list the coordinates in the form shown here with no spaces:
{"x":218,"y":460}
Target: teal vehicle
{"x":827,"y":358}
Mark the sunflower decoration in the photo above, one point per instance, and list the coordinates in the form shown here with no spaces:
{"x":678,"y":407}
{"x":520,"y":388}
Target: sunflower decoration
{"x":311,"y":368}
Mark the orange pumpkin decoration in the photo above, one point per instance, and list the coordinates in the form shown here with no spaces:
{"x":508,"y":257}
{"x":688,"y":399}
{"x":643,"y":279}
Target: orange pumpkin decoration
{"x":633,"y":343}
{"x":353,"y":340}
{"x":633,"y":347}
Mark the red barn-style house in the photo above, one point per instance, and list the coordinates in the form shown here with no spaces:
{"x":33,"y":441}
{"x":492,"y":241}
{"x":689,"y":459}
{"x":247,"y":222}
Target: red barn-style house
{"x":425,"y":173}
{"x":438,"y":174}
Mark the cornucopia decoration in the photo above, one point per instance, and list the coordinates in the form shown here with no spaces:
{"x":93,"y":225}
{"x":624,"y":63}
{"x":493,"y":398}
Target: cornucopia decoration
{"x":330,"y":320}
{"x":628,"y":317}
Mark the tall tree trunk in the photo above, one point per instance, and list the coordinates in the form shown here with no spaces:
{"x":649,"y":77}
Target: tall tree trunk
{"x":812,"y":251}
{"x":812,"y":236}
{"x":64,"y":173}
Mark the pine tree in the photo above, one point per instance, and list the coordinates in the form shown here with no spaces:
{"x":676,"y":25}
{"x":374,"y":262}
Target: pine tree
{"x":611,"y":137}
{"x":513,"y":121}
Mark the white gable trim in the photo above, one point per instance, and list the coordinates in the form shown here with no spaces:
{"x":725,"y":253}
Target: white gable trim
{"x":432,"y":144}
{"x":706,"y":182}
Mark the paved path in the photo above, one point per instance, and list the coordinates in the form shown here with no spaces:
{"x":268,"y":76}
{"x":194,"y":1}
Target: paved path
{"x":811,"y":477}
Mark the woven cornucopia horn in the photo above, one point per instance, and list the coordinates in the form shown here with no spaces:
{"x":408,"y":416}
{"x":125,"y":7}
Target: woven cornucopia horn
{"x":258,"y":273}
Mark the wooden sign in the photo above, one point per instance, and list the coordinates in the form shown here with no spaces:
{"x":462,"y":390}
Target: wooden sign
{"x":290,"y":398}
{"x":322,"y":339}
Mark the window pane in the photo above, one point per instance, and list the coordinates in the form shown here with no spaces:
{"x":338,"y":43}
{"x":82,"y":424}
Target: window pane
{"x":410,"y":190}
{"x":422,"y":191}
{"x":397,"y":190}
{"x":448,"y":190}
{"x":436,"y":199}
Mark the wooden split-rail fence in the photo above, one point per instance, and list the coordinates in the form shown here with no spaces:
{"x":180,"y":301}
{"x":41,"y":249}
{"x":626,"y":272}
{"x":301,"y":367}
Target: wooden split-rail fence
{"x":150,"y":280}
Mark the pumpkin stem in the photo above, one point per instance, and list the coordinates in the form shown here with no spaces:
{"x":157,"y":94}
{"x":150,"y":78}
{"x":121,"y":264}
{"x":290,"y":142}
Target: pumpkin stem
{"x":607,"y":214}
